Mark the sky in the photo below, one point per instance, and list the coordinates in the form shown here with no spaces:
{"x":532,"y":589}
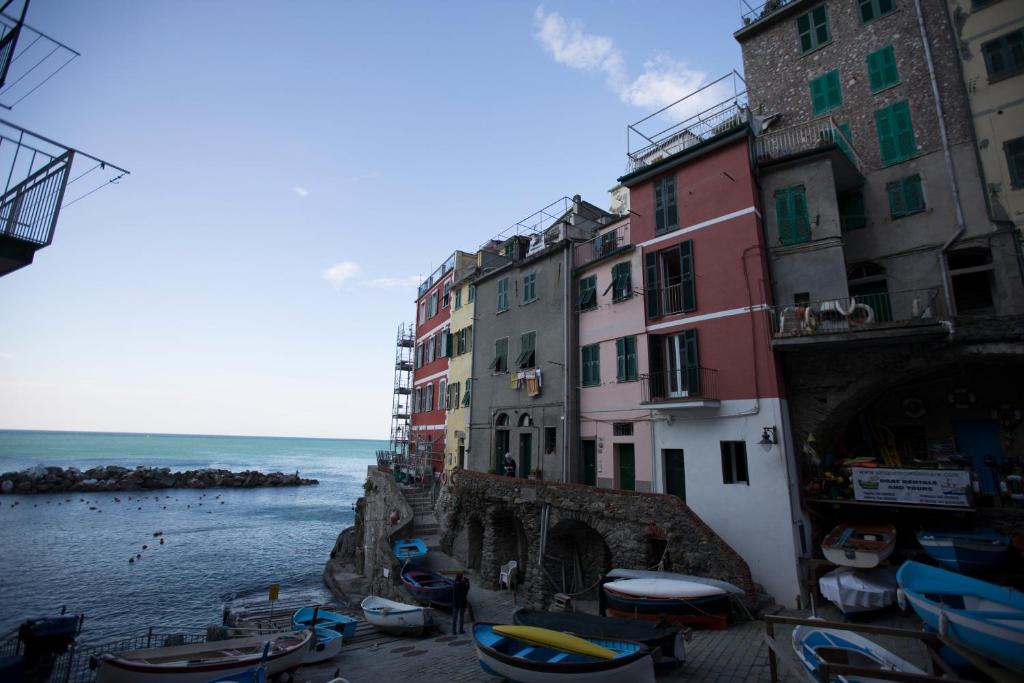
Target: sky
{"x":296,"y":168}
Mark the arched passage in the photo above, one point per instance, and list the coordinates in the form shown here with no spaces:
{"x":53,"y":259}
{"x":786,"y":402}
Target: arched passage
{"x":509,"y":541}
{"x":576,"y":555}
{"x":474,"y":543}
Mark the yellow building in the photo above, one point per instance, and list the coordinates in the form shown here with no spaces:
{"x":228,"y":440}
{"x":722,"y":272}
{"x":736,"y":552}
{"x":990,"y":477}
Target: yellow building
{"x":460,"y":367}
{"x":991,"y":42}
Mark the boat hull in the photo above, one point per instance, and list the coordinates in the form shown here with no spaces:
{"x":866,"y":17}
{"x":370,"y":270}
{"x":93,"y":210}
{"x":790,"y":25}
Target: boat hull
{"x":858,"y":546}
{"x":395,"y":617}
{"x":648,"y":574}
{"x":427,"y":587}
{"x":855,"y":591}
{"x":709,"y":612}
{"x":342,"y":623}
{"x":327,"y":646}
{"x":970,"y":552}
{"x":810,"y":643}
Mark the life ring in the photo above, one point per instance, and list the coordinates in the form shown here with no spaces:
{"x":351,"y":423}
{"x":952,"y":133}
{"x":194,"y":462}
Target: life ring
{"x":861,"y":314}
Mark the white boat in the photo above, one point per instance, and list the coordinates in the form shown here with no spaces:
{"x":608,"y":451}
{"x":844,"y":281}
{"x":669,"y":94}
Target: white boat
{"x":326,"y":646}
{"x":859,"y":590}
{"x":816,"y":646}
{"x":396,"y":617}
{"x":648,"y":574}
{"x":859,"y":545}
{"x":203,"y":662}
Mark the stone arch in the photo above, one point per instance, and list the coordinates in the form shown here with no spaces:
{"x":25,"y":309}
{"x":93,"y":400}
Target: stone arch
{"x":474,"y":542}
{"x":525,"y":420}
{"x":507,"y":541}
{"x":576,"y":554}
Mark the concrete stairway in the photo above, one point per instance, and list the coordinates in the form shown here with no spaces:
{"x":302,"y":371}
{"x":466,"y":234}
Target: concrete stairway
{"x":427,"y":528}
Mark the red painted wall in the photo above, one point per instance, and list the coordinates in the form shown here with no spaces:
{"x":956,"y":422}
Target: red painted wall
{"x":437,"y":415}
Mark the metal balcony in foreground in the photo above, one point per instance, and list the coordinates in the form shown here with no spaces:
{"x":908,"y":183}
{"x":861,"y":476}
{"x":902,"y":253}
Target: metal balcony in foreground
{"x":603,"y":245}
{"x":686,"y":388}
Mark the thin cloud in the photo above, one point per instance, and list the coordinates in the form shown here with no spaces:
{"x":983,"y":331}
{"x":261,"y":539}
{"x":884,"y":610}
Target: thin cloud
{"x":392,"y":282}
{"x":368,"y":175}
{"x":301,"y":191}
{"x":340,"y":273}
{"x":662,"y":81}
{"x":6,"y":356}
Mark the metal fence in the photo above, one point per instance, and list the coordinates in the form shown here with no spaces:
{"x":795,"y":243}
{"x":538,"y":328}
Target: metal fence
{"x":804,"y":137}
{"x":858,"y":312}
{"x":759,"y":11}
{"x":602,"y":245}
{"x":661,"y":386}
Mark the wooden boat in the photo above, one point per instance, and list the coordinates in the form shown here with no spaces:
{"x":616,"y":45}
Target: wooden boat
{"x":647,"y":574}
{"x":666,"y":643}
{"x":535,"y":655}
{"x":977,"y":615}
{"x":671,"y":600}
{"x":965,"y":551}
{"x":858,"y":545}
{"x":257,"y":675}
{"x":859,"y":590}
{"x":326,"y":646}
{"x":427,"y":587}
{"x":202,"y":662}
{"x":815,"y":646}
{"x":407,"y":549}
{"x":342,"y":623}
{"x":396,"y":617}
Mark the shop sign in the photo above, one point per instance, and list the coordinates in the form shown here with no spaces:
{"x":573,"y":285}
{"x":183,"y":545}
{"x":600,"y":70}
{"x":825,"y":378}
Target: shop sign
{"x":913,"y":487}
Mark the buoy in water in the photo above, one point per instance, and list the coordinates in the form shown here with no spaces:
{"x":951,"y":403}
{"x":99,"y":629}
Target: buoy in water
{"x":131,"y":560}
{"x":161,"y":541}
{"x":144,"y":546}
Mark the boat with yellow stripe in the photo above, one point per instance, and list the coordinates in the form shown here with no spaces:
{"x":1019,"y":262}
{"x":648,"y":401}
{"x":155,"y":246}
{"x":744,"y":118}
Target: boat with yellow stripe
{"x":529,"y":654}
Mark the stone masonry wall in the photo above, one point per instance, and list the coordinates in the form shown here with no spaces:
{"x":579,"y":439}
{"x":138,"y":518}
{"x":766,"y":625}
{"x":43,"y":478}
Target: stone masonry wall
{"x":508,"y":514}
{"x":375,"y":532}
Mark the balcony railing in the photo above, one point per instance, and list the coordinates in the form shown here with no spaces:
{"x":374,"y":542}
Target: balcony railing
{"x":441,"y":271}
{"x":805,"y":137}
{"x":759,"y":11}
{"x":859,"y":312}
{"x":699,"y":384}
{"x":602,"y":245}
{"x":670,"y":298}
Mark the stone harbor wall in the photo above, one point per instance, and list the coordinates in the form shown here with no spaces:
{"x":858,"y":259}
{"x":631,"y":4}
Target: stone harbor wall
{"x":42,"y":479}
{"x":382,"y":515}
{"x":489,"y":519}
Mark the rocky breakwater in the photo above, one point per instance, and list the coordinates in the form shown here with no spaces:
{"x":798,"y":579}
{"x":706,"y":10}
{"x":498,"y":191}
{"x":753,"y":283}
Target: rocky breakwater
{"x":42,"y":479}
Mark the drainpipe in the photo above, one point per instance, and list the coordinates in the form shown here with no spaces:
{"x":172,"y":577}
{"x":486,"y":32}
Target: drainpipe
{"x":568,"y":412}
{"x":953,"y":188}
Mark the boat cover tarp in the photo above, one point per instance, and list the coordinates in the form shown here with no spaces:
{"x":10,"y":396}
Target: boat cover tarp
{"x":859,"y":590}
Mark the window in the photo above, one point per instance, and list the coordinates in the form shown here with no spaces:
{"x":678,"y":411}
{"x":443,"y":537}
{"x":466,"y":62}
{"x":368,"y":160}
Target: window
{"x":1004,"y":56}
{"x":458,"y":298}
{"x":470,"y":293}
{"x":588,"y":293}
{"x":791,"y":214}
{"x":469,"y":339}
{"x":608,"y":242}
{"x":622,"y":281}
{"x":826,"y":93}
{"x":665,"y":217}
{"x":895,"y":133}
{"x":530,"y":287}
{"x":813,"y":29}
{"x":429,"y":353}
{"x":527,"y":348}
{"x":432,"y":309}
{"x":550,"y":440}
{"x":423,"y":311}
{"x":417,"y":400}
{"x":625,"y":359}
{"x":591,"y":365}
{"x":442,"y":393}
{"x":428,"y":398}
{"x":675,"y":290}
{"x":905,"y":196}
{"x":882,"y":71}
{"x":1015,"y":161}
{"x":466,"y":397}
{"x":453,"y":396}
{"x":734,"y":462}
{"x":444,"y":345}
{"x":852,"y":215}
{"x":500,"y":362}
{"x":419,"y":356}
{"x":447,"y":294}
{"x":460,"y":341}
{"x":874,"y":9}
{"x":503,"y":294}
{"x":622,"y":429}
{"x":802,"y":299}
{"x":970,"y":271}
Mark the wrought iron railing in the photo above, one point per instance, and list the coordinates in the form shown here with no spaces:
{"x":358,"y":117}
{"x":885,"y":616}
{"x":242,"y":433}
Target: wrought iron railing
{"x":858,"y":312}
{"x":602,"y":245}
{"x":669,"y":297}
{"x":804,"y":137}
{"x":757,"y":12}
{"x":698,"y":383}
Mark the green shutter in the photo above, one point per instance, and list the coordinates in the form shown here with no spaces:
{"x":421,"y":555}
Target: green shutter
{"x":886,"y":136}
{"x":904,"y":130}
{"x":620,"y":359}
{"x":653,"y":308}
{"x":851,"y":212}
{"x":659,"y":206}
{"x":630,"y":348}
{"x":819,"y":19}
{"x":819,"y":101}
{"x":784,"y":216}
{"x":905,"y":196}
{"x":882,"y":70}
{"x":894,"y":190}
{"x":692,"y":366}
{"x":803,"y":27}
{"x":671,"y":219}
{"x":686,"y":268}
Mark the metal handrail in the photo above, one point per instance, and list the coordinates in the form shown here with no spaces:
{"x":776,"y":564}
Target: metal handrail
{"x":857,"y":312}
{"x":803,"y":137}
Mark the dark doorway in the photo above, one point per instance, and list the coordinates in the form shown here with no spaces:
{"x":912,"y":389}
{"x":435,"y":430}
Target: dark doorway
{"x":525,"y":454}
{"x":627,"y":466}
{"x":589,"y":462}
{"x":675,"y":472}
{"x":981,"y":442}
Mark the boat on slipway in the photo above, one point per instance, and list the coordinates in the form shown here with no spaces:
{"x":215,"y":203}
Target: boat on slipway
{"x":408,"y":549}
{"x":965,"y":551}
{"x":396,"y":617}
{"x":648,"y":574}
{"x":204,"y":662}
{"x":678,"y":602}
{"x":426,"y":586}
{"x":527,"y":654}
{"x":979,"y":616}
{"x":342,"y":623}
{"x":858,"y":545}
{"x":859,"y":590}
{"x":816,"y":646}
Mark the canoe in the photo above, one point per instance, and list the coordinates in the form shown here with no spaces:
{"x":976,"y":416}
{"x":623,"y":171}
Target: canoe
{"x":326,"y":646}
{"x":342,"y":623}
{"x":647,"y":574}
{"x":409,"y":549}
{"x":396,"y":617}
{"x":203,"y":662}
{"x":666,"y":643}
{"x":536,"y":655}
{"x":978,"y":615}
{"x":859,"y":590}
{"x":671,"y":600}
{"x":858,"y":545}
{"x":965,"y":551}
{"x":815,"y":646}
{"x":428,"y":587}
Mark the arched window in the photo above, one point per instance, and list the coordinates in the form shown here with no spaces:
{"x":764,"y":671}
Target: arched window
{"x":525,"y":420}
{"x":501,"y":420}
{"x":864,"y":270}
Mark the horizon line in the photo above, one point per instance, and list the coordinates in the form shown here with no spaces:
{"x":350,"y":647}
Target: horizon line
{"x":243,"y":436}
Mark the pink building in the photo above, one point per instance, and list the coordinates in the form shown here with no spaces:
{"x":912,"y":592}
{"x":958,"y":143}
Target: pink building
{"x":615,"y":430}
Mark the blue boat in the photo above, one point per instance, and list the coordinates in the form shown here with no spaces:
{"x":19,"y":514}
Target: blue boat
{"x":816,"y":646}
{"x":977,"y":615}
{"x":257,"y":675}
{"x":343,"y":624}
{"x":427,"y":587}
{"x":407,"y":549}
{"x":965,"y":551}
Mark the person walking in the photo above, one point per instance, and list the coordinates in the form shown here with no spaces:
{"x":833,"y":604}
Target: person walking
{"x":460,"y":595}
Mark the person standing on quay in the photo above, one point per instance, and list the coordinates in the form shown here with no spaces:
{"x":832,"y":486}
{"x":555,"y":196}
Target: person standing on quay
{"x":510,"y":465}
{"x":460,"y":593}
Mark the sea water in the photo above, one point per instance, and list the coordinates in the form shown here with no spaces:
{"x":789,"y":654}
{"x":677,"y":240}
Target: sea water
{"x":220,"y":544}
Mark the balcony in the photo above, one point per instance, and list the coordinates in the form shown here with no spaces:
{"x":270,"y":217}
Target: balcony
{"x":886,"y":317}
{"x":756,"y":12}
{"x":689,"y":388}
{"x":441,"y":271}
{"x":603,"y":245}
{"x":672,"y":299}
{"x":819,"y":135}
